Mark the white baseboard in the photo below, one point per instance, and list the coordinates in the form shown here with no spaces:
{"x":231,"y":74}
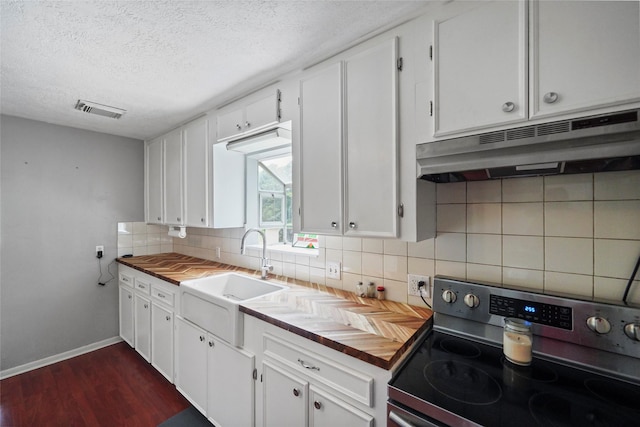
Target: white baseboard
{"x":58,"y":357}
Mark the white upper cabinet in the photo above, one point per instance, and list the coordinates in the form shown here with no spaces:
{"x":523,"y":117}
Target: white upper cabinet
{"x":480,"y":68}
{"x":321,"y":151}
{"x":251,"y":117}
{"x":371,"y":163}
{"x":153,"y":180}
{"x":196,"y":139}
{"x":584,"y":54}
{"x":173,"y":178}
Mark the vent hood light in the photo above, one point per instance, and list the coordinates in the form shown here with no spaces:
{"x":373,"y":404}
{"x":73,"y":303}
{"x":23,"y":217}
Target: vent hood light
{"x":99,"y":109}
{"x":269,"y":140}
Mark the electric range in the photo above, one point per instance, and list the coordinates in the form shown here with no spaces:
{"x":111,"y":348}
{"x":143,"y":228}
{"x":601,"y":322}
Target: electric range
{"x":585,"y":369}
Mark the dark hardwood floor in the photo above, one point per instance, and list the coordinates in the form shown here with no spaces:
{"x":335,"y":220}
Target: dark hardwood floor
{"x":110,"y":387}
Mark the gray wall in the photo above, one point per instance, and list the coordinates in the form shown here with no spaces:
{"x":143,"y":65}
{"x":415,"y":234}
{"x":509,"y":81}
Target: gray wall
{"x":63,"y":191}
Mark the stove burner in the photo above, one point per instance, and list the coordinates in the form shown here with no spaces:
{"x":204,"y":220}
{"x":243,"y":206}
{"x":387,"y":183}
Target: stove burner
{"x":533,"y":372}
{"x":462,"y":382}
{"x":614,"y":392}
{"x":459,"y":347}
{"x":550,"y":409}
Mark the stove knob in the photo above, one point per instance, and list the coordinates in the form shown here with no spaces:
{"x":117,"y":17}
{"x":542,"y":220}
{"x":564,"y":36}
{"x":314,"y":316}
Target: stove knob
{"x":449,"y":296}
{"x":471,"y":300}
{"x":599,"y":325}
{"x":632,"y":330}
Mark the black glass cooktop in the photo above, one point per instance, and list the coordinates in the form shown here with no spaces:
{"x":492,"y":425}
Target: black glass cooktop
{"x":475,"y":382}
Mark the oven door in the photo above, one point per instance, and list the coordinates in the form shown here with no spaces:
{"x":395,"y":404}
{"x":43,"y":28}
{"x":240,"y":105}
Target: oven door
{"x":398,"y":416}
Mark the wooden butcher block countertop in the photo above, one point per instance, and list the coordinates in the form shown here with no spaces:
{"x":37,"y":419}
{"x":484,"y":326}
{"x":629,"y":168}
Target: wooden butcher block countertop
{"x":375,"y":331}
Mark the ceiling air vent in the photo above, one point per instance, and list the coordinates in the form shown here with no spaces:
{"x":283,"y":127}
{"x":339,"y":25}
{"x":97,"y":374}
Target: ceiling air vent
{"x":99,"y":109}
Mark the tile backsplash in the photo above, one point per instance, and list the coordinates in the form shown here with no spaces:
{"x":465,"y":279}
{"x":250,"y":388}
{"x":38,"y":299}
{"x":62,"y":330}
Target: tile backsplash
{"x":565,"y":234}
{"x":138,"y":238}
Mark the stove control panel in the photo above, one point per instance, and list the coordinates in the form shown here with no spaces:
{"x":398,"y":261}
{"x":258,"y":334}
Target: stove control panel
{"x":607,"y":326}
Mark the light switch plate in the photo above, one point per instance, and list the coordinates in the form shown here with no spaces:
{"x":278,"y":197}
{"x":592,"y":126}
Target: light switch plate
{"x":333,"y":270}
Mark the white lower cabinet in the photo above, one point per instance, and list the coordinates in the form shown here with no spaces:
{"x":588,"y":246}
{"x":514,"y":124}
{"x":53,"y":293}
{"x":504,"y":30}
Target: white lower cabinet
{"x":162,"y":340}
{"x":142,"y":309}
{"x":216,"y":378}
{"x":326,"y":410}
{"x":125,"y":294}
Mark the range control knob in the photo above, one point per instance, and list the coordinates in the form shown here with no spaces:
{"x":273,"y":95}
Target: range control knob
{"x":599,"y":325}
{"x":632,"y":330}
{"x":471,"y":300}
{"x":449,"y":296}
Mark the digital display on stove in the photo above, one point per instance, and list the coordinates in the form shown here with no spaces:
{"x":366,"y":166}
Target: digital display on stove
{"x":545,"y":314}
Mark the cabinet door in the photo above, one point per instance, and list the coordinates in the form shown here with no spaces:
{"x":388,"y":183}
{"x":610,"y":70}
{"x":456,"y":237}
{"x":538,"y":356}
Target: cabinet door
{"x":262,"y":113}
{"x":229,"y":187}
{"x":371,"y":142}
{"x":325,"y":410}
{"x":143,"y":326}
{"x":230,"y":124}
{"x":230,"y":400}
{"x":191,"y":363}
{"x":173,"y":178}
{"x":480,"y":68}
{"x":196,"y":203}
{"x":285,"y":398}
{"x":126,"y":315}
{"x":321,"y":152}
{"x":587,"y":53}
{"x":153,"y":180}
{"x":162,"y":340}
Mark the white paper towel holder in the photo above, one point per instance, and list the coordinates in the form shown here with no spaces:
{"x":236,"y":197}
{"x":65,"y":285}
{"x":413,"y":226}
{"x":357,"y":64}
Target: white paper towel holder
{"x":178,"y":231}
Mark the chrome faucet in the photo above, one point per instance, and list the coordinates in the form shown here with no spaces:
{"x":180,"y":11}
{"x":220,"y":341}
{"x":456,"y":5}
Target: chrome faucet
{"x":265,"y":266}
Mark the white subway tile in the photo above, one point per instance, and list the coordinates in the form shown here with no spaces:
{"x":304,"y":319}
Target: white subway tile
{"x":395,"y":290}
{"x":395,"y":247}
{"x":451,"y":247}
{"x":615,"y":258}
{"x":484,"y":273}
{"x":518,"y":278}
{"x":568,"y":219}
{"x":372,"y":264}
{"x":140,"y":251}
{"x":375,"y":246}
{"x":568,"y":255}
{"x":484,"y":249}
{"x":451,"y":193}
{"x":125,"y":251}
{"x":351,"y":244}
{"x":617,"y":219}
{"x":131,"y":227}
{"x":451,"y":269}
{"x":484,"y":218}
{"x":320,"y":260}
{"x":578,"y":285}
{"x":333,"y":255}
{"x":525,"y":219}
{"x":333,"y":242}
{"x":424,"y":267}
{"x":484,"y":191}
{"x":125,"y":241}
{"x":606,"y":288}
{"x":451,"y":218}
{"x":523,"y":189}
{"x":302,"y":260}
{"x":302,"y":272}
{"x":617,"y":185}
{"x":352,"y":262}
{"x":395,"y":267}
{"x":350,"y":281}
{"x":562,"y":188}
{"x":336,"y":283}
{"x":317,"y":275}
{"x":139,"y":240}
{"x":524,"y":252}
{"x":422,"y":249}
{"x":288,"y":270}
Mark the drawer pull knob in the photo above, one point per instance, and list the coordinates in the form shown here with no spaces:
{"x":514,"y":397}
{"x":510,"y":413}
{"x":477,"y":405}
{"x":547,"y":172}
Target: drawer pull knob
{"x":168,"y":318}
{"x":201,"y":338}
{"x":296,"y":392}
{"x":317,"y":405}
{"x":307,"y":366}
{"x":210,"y":343}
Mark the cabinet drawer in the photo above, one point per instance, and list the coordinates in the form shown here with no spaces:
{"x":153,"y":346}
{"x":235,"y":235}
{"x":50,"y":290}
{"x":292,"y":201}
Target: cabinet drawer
{"x":167,"y":298}
{"x":342,"y":378}
{"x":142,"y":287}
{"x":127,"y":280}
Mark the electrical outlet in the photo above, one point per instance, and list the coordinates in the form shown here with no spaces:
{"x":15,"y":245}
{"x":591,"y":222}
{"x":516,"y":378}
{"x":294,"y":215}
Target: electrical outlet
{"x":333,"y":270}
{"x":413,"y":279}
{"x":99,"y":251}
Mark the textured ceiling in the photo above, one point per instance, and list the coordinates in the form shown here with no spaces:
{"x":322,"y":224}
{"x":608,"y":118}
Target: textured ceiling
{"x":165,"y":61}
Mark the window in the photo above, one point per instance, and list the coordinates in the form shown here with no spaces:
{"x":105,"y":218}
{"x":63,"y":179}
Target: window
{"x":275,"y":196}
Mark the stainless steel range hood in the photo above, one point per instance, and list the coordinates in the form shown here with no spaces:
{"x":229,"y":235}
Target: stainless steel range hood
{"x":589,"y":144}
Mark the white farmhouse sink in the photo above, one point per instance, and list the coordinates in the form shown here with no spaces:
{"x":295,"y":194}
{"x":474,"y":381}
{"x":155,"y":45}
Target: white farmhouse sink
{"x":213,"y":302}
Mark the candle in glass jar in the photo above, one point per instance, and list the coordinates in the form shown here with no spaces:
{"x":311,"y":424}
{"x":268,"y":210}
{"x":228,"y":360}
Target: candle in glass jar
{"x":517,"y":341}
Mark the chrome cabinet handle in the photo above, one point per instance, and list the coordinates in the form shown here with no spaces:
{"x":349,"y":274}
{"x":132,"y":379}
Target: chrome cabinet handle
{"x":353,"y":225}
{"x":508,"y":107}
{"x":247,"y":124}
{"x":210,"y":343}
{"x":550,"y":97}
{"x":161,"y":295}
{"x":307,"y":366}
{"x":129,"y":296}
{"x":334,"y":224}
{"x":296,"y":392}
{"x":201,"y":338}
{"x":238,"y":126}
{"x":317,"y":405}
{"x":178,"y":219}
{"x":168,"y":318}
{"x":202,"y":220}
{"x":146,"y":306}
{"x":158,"y":218}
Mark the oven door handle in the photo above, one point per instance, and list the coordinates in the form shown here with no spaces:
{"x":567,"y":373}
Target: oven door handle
{"x":399,"y":420}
